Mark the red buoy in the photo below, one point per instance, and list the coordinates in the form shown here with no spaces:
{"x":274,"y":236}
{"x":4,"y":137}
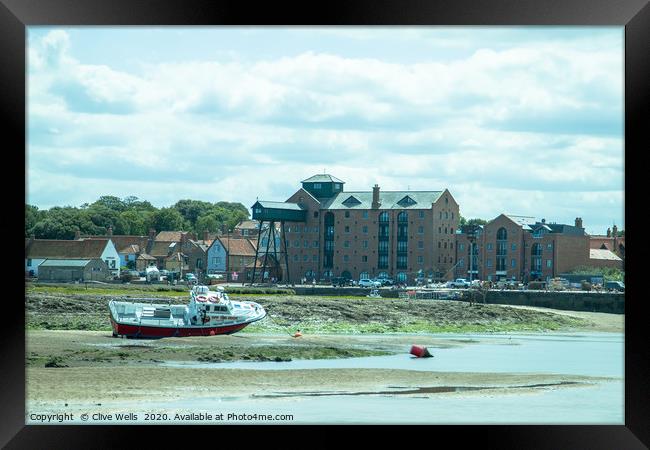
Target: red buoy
{"x":420,"y":351}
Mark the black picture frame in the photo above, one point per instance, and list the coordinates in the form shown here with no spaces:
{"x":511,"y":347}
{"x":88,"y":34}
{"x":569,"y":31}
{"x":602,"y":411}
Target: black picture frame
{"x":16,"y":15}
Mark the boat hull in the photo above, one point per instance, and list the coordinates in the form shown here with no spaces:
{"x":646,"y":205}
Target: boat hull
{"x":156,"y":332}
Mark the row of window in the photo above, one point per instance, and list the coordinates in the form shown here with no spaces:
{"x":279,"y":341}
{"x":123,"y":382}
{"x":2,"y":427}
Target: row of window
{"x":451,"y":230}
{"x":300,"y":229}
{"x":537,"y":262}
{"x":446,"y":214}
{"x":402,"y":260}
{"x":401,"y":276}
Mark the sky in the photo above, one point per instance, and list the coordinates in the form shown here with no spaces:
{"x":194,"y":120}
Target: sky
{"x":516,"y":120}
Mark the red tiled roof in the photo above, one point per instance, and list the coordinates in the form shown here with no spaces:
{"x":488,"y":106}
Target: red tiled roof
{"x":62,"y":249}
{"x":238,"y":246}
{"x":173,"y":236}
{"x":123,"y":241}
{"x":161,"y":248}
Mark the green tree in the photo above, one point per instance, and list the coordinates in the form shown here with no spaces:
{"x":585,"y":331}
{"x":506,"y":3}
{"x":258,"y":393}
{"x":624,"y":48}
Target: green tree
{"x":166,"y":219}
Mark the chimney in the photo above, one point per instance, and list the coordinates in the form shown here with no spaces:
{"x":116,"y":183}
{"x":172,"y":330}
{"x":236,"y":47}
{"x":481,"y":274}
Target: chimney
{"x":183,"y":238}
{"x":614,"y":231}
{"x":375,"y":197}
{"x":206,"y":235}
{"x":109,"y":230}
{"x":609,"y":232}
{"x":578,"y":222}
{"x":77,"y":235}
{"x":152,"y":234}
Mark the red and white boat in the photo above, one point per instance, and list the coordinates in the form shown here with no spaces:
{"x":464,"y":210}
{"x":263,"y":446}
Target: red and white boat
{"x":209,"y":313}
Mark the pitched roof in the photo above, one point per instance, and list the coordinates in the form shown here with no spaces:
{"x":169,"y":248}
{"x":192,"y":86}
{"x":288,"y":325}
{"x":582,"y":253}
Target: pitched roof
{"x":161,"y":248}
{"x":279,"y":205}
{"x":145,"y":256}
{"x":63,"y":249}
{"x":65,"y":263}
{"x":237,"y":246}
{"x":121,"y":241}
{"x":173,"y":236}
{"x":322,"y":178}
{"x":596,"y":253}
{"x":248,"y":225}
{"x":130,"y":249}
{"x":523,"y":221}
{"x":388,"y":200}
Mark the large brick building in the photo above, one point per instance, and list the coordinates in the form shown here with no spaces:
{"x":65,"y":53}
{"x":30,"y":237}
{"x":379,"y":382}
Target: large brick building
{"x":359,"y":234}
{"x":520,"y":248}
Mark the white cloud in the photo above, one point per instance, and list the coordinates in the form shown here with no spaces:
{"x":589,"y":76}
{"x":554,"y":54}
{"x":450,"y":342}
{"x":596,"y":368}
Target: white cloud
{"x":529,"y":122}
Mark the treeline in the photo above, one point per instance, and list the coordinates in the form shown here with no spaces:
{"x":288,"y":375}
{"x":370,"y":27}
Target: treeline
{"x":131,"y":216}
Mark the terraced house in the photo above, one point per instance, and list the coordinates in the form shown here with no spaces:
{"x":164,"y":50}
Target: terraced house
{"x":367,"y":234}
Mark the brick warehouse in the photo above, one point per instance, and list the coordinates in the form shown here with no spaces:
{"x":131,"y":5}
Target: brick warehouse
{"x":399,"y":234}
{"x":521,"y":248}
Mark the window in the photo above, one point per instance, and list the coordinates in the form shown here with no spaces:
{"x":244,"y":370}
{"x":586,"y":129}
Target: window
{"x":488,"y":263}
{"x":296,"y":228}
{"x":29,"y":262}
{"x":502,"y":234}
{"x":452,"y":230}
{"x":288,"y":244}
{"x":315,"y":213}
{"x":347,"y":228}
{"x":461,"y":262}
{"x":258,"y":210}
{"x":287,"y":229}
{"x":488,"y":247}
{"x":421,"y":214}
{"x":316,"y":185}
{"x":305,"y":258}
{"x":295,"y":258}
{"x":365,"y":214}
{"x":420,"y":230}
{"x":445,"y":230}
{"x":383,"y":262}
{"x":315,"y":244}
{"x":439,"y":230}
{"x":401,"y":276}
{"x":420,"y":244}
{"x":383,"y":217}
{"x":346,"y":258}
{"x":549,"y":246}
{"x":365,"y":229}
{"x":549,"y":263}
{"x":513,"y":262}
{"x":306,"y":244}
{"x":420,"y":259}
{"x":337,"y":185}
{"x":446,"y":215}
{"x":365,"y":244}
{"x":402,"y":261}
{"x":364,"y":258}
{"x":445,"y":245}
{"x":364,"y":275}
{"x":346,"y":244}
{"x":199,"y":263}
{"x":347,"y":214}
{"x":514,"y":247}
{"x":296,"y":243}
{"x":461,"y":247}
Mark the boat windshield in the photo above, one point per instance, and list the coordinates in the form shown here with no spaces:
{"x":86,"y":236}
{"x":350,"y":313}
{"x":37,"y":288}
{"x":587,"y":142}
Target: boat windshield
{"x":201,"y":290}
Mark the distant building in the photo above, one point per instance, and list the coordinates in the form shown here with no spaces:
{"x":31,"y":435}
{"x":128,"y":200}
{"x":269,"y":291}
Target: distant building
{"x":520,"y":248}
{"x":611,"y":241}
{"x":365,"y":234}
{"x":228,"y":255}
{"x":602,"y":258}
{"x":39,"y":250}
{"x":73,"y":270}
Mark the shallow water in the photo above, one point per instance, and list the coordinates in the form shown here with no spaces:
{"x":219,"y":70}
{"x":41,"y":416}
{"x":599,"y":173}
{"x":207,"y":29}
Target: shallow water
{"x":589,"y":354}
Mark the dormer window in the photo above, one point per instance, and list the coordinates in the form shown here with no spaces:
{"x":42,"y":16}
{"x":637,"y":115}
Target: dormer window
{"x":351,"y":201}
{"x":406,"y":201}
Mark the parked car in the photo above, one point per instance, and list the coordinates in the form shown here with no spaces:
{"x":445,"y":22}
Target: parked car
{"x":386,"y":281}
{"x":191,"y":278}
{"x":341,"y":281}
{"x":459,"y":283}
{"x":615,"y":286}
{"x":366,"y":282}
